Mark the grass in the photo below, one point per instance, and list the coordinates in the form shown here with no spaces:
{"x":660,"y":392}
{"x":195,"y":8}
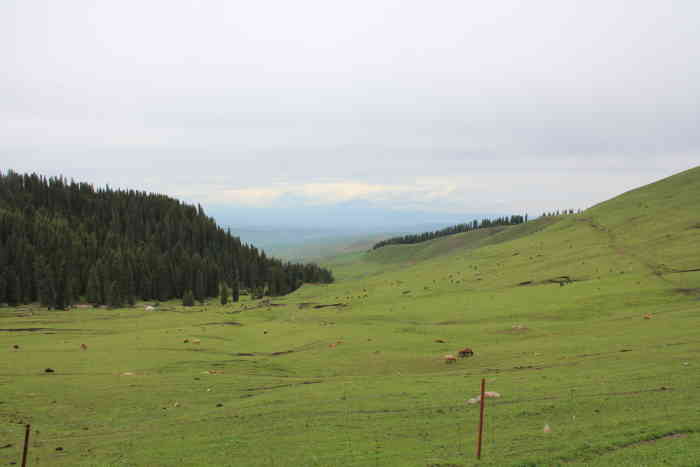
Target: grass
{"x":615,"y":388}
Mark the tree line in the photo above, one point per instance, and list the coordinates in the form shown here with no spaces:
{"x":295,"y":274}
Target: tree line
{"x":563,"y":212}
{"x":452,"y":230}
{"x":63,"y":241}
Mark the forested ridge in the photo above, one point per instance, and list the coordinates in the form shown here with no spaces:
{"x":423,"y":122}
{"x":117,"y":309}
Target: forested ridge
{"x":63,"y":241}
{"x":452,"y":230}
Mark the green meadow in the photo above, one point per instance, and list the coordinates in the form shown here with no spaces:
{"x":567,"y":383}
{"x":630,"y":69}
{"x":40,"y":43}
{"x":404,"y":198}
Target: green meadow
{"x":588,"y":324}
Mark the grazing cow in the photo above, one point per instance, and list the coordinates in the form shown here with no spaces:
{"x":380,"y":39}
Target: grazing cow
{"x":15,"y":347}
{"x":647,"y":316}
{"x":196,"y":341}
{"x":466,"y":352}
{"x":450,"y":358}
{"x":332,"y":346}
{"x":440,"y":341}
{"x":83,"y":346}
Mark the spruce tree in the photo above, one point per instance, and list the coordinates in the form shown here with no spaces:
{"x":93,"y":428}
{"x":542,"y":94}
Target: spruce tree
{"x":116,"y":296}
{"x":188,"y":298}
{"x":108,"y":293}
{"x":67,"y":292}
{"x":236,"y":291}
{"x":12,"y":291}
{"x":93,"y":287}
{"x":199,"y":287}
{"x":3,"y":288}
{"x":224,"y":293}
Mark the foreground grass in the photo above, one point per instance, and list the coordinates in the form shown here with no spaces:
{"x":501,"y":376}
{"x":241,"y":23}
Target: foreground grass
{"x":264,"y":387}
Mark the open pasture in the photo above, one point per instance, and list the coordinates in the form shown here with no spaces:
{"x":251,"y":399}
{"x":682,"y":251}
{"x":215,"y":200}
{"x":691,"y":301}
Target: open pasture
{"x":587,"y":324}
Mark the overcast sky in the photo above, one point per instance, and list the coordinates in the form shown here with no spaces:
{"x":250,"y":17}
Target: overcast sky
{"x":450,"y":106}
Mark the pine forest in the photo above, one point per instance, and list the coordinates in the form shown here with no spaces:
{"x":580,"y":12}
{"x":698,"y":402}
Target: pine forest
{"x":63,"y":241}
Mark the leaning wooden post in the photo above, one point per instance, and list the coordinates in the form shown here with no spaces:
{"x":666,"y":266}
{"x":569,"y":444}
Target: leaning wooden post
{"x":481,"y":418}
{"x":26,"y":446}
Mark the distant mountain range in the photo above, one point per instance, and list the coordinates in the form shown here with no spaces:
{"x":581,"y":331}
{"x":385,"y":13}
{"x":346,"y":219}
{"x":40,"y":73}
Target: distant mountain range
{"x":313,"y":231}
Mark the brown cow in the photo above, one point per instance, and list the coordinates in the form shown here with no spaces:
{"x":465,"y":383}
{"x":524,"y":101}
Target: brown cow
{"x":466,"y":352}
{"x":450,"y":358}
{"x":83,"y":346}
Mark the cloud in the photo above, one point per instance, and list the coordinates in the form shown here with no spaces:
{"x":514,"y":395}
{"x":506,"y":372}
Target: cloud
{"x":251,"y":196}
{"x":328,"y":193}
{"x":469,"y":106}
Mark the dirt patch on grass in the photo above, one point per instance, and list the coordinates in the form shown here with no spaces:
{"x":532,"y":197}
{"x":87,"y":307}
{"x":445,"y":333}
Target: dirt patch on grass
{"x":678,"y":271}
{"x":630,"y":393}
{"x":263,"y":304}
{"x":339,"y":305}
{"x":690,"y":292}
{"x":654,"y":440}
{"x":561,"y":280}
{"x":263,"y":388}
{"x":41,"y":329}
{"x":264,"y":354}
{"x":302,"y":348}
{"x":515,"y":329}
{"x":223,"y":323}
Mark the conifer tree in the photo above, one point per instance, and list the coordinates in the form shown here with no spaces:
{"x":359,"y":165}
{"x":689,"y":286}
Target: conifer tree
{"x":93,"y":292}
{"x":188,"y":298}
{"x":67,"y":292}
{"x":3,"y":288}
{"x":236,"y":291}
{"x":224,"y":293}
{"x":108,"y":293}
{"x":12,"y":288}
{"x":199,"y":286}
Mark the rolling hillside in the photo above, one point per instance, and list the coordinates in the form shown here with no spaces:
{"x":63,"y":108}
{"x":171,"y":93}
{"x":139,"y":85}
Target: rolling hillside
{"x":586,"y":324}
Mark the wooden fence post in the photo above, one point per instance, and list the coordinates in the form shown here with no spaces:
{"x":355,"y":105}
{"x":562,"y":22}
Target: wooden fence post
{"x":26,"y":446}
{"x":481,"y":417}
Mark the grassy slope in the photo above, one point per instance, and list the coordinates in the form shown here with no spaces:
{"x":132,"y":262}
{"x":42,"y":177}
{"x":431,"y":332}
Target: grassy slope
{"x":357,"y":265}
{"x":580,"y":358}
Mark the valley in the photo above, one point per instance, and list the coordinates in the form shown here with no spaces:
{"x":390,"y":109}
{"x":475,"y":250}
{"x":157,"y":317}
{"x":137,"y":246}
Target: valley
{"x":584,"y":323}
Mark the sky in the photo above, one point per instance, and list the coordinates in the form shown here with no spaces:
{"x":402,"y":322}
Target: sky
{"x":446,"y":107}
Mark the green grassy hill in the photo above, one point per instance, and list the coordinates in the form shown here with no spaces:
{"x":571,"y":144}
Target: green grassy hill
{"x":352,"y":373}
